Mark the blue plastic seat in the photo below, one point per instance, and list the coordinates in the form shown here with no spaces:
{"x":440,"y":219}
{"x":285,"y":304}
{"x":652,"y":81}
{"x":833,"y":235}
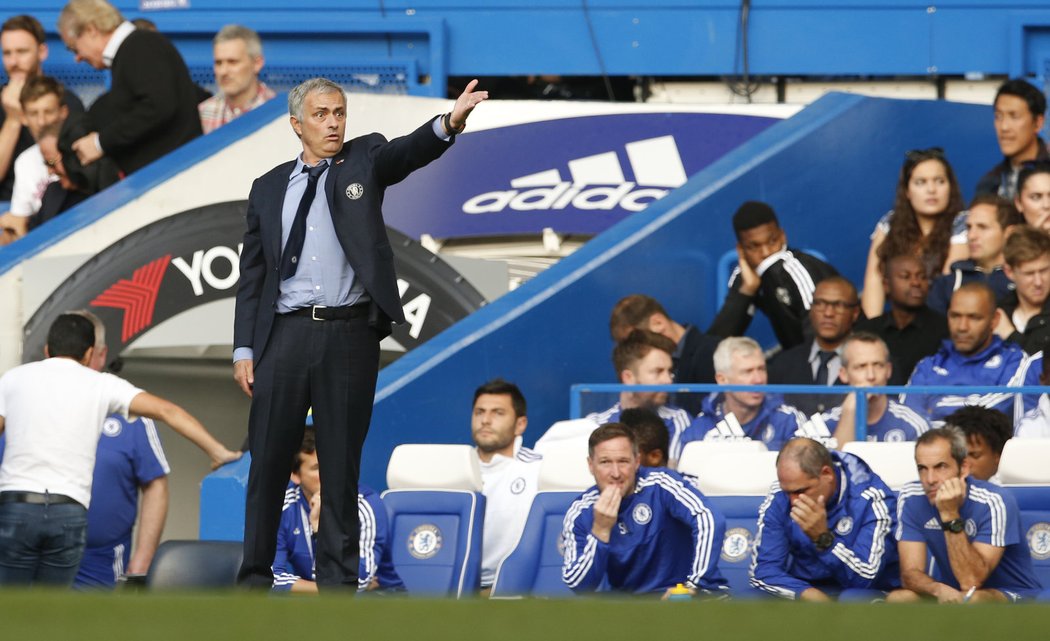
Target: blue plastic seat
{"x":534,"y":567}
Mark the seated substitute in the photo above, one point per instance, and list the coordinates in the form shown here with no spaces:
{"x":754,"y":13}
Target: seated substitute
{"x":509,"y":473}
{"x":974,"y":355}
{"x":770,"y":276}
{"x":641,"y":530}
{"x":650,"y":435}
{"x":826,"y":527}
{"x":986,"y":432}
{"x":742,"y":415}
{"x":693,"y":349}
{"x":295,"y":559}
{"x":644,"y":358}
{"x":866,"y":363}
{"x":971,"y":528}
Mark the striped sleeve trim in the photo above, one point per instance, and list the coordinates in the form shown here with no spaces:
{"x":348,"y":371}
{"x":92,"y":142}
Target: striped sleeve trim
{"x":154,"y":444}
{"x":997,"y":513}
{"x":802,"y":278}
{"x":527,"y":455}
{"x":705,"y":521}
{"x":367,"y":518}
{"x":869,"y":568}
{"x":576,"y":567}
{"x":752,"y":579}
{"x":909,"y":416}
{"x":291,"y":497}
{"x":908,"y":491}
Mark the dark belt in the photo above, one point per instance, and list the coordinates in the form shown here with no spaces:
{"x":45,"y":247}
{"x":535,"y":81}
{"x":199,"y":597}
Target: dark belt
{"x":36,"y":498}
{"x":322,"y":313}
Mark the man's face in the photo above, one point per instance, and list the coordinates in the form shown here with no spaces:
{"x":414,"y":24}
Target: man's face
{"x":867,"y":364}
{"x":935,"y":463}
{"x":1015,"y":126}
{"x":928,"y":188}
{"x":746,"y":368}
{"x":759,"y":243}
{"x":652,"y":369}
{"x":795,"y":483}
{"x":88,"y":46}
{"x":22,"y":54}
{"x":1033,"y":201}
{"x":323,"y":125}
{"x":833,"y":312}
{"x":235,"y":70}
{"x":971,"y":321}
{"x":53,"y":160}
{"x":309,"y":475}
{"x":984,"y":462}
{"x":42,"y":112}
{"x":494,"y":425}
{"x":984,"y":236}
{"x":906,"y":283}
{"x":1032,"y":279}
{"x":614,"y":463}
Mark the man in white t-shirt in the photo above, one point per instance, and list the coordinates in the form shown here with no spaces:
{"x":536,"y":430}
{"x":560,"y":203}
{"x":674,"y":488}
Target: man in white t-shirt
{"x":509,"y":472}
{"x":52,"y":412}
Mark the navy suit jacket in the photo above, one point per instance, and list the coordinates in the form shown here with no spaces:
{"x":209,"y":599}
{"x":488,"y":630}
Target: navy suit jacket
{"x":792,"y":367}
{"x":371,"y":162}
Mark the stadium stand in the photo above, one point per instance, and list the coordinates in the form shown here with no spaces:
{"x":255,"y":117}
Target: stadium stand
{"x":436,"y":514}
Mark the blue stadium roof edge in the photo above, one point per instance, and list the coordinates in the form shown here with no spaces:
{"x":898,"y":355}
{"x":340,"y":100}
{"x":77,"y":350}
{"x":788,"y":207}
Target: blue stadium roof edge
{"x":132,"y":187}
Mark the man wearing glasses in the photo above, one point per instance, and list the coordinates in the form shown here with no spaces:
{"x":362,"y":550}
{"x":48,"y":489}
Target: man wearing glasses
{"x":817,"y":361}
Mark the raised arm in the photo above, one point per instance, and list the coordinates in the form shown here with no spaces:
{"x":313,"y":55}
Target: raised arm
{"x":155,"y":407}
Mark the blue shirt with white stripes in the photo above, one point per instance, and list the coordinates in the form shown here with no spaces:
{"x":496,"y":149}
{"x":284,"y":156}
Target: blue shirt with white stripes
{"x":666,"y":534}
{"x":898,"y":423}
{"x":676,"y":420}
{"x":785,"y":562}
{"x":991,"y":516}
{"x":295,"y":543}
{"x":774,"y":425}
{"x":1001,"y":363}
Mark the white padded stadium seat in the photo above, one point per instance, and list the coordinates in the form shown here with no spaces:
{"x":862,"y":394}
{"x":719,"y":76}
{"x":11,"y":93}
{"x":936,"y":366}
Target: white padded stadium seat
{"x":893,"y":462}
{"x":734,"y":473}
{"x":1025,"y":461}
{"x":697,"y":454}
{"x":574,"y":430}
{"x":564,"y":467}
{"x":434,"y":467}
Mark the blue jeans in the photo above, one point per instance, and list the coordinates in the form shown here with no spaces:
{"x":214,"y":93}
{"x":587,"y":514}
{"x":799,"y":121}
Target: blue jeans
{"x":41,"y":544}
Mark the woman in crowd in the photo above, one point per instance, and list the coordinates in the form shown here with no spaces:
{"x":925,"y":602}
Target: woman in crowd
{"x":927,"y":219}
{"x":1033,"y":194}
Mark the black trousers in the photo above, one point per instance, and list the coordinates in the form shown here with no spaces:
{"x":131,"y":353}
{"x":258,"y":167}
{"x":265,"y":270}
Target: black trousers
{"x":330,"y":366}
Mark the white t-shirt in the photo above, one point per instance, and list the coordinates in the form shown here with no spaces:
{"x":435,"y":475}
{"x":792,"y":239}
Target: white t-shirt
{"x":53,"y":414}
{"x":509,"y":485}
{"x":31,"y":180}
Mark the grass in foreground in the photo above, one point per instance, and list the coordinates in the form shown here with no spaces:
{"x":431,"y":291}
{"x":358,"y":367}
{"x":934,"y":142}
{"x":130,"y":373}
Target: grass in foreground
{"x":36,"y":616}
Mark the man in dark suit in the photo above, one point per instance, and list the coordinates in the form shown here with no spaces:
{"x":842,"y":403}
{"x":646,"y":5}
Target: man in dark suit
{"x":817,"y":361}
{"x":317,"y":293}
{"x":151,"y":107}
{"x":694,"y":350}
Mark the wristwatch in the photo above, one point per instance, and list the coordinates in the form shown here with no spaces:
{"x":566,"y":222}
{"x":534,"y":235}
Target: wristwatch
{"x":824,"y":541}
{"x":955,"y":525}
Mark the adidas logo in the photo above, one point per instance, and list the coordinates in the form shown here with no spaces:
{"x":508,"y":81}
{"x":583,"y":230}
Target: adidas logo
{"x":597,"y":182}
{"x":932,"y":524}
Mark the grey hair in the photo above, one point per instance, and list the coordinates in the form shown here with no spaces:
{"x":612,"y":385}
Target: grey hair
{"x":297,"y":96}
{"x":955,"y":436}
{"x":723,"y":357}
{"x":252,"y":42}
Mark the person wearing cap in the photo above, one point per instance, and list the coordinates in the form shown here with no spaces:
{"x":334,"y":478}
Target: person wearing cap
{"x":769,"y":276}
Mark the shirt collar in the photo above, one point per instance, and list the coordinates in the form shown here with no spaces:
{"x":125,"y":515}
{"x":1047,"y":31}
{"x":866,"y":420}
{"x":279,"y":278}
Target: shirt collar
{"x":120,"y":34}
{"x":815,"y":349}
{"x":299,"y":164}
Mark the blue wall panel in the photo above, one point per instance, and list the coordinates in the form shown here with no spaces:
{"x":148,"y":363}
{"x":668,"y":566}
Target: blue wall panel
{"x":830,"y":172}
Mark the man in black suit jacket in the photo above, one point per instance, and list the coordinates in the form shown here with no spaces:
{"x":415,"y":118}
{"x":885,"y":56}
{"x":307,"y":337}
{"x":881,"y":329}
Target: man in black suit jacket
{"x":151,"y":107}
{"x":694,"y":351}
{"x":317,"y":293}
{"x":817,"y":361}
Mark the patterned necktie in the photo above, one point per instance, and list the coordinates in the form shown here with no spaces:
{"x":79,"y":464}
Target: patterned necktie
{"x":297,"y":234}
{"x":822,"y":367}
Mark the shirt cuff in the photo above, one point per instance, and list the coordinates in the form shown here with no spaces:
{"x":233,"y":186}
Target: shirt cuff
{"x":439,"y":129}
{"x":243,"y":354}
{"x":98,"y":143}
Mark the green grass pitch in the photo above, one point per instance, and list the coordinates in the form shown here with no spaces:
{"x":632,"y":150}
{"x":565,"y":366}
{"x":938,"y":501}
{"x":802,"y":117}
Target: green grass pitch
{"x":38,"y":616}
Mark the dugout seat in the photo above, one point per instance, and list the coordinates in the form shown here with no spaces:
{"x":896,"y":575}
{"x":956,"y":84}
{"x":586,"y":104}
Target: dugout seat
{"x":436,"y":514}
{"x":534,"y":567}
{"x":195,"y":565}
{"x":893,"y":462}
{"x":564,"y":468}
{"x":741,"y":514}
{"x":1025,"y":461}
{"x":1034,"y":504}
{"x":733,"y":472}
